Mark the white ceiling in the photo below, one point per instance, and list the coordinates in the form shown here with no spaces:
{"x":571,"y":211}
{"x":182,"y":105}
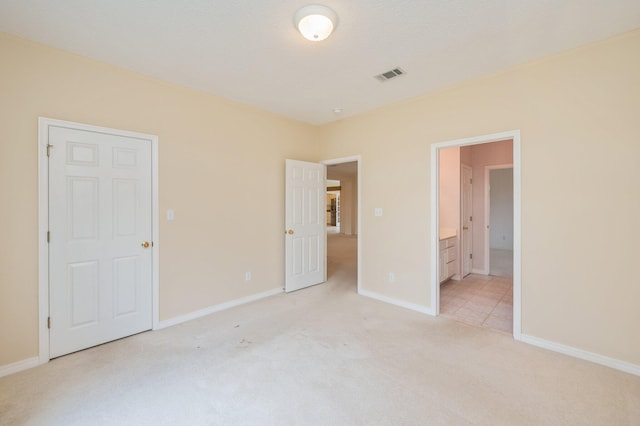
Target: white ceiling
{"x":249,"y":51}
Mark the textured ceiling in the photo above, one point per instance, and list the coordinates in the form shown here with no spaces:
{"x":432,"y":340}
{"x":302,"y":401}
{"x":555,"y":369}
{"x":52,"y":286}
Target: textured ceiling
{"x":249,"y":51}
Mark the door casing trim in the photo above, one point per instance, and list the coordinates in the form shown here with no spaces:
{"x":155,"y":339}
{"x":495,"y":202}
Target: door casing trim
{"x":513,"y":135}
{"x":43,"y":222}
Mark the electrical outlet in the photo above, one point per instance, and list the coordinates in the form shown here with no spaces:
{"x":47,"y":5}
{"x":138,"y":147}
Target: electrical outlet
{"x":247,"y":276}
{"x":392,"y":277}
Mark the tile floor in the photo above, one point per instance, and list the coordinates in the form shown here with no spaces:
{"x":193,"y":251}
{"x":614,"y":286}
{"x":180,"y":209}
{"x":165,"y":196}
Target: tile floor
{"x":482,"y":300}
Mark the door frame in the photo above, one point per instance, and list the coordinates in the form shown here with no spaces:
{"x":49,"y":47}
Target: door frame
{"x":514,"y":136}
{"x":43,"y":222}
{"x":358,"y":160}
{"x":463,"y":247}
{"x":487,"y":212}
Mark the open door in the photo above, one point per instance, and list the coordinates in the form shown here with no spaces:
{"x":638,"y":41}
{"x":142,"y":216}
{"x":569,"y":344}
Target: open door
{"x":305,"y":217}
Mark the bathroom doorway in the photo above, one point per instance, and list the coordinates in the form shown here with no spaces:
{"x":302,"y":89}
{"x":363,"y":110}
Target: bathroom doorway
{"x":470,"y":294}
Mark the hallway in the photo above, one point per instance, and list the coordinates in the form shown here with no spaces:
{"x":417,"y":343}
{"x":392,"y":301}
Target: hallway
{"x":342,"y":260}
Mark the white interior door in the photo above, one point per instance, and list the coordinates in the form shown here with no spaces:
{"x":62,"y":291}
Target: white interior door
{"x":305,"y":233}
{"x":100,"y":272}
{"x":467,"y":219}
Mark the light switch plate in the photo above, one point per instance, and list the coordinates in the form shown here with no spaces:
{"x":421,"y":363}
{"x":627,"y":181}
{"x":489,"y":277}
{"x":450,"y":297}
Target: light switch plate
{"x":377,"y":211}
{"x":170,"y":215}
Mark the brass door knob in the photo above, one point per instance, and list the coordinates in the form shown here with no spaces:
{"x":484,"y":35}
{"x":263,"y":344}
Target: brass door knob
{"x":290,"y":232}
{"x":145,"y":244}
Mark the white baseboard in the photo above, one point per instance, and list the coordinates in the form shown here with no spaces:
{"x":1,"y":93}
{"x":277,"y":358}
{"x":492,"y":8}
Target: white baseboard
{"x":401,"y":303}
{"x":617,"y":364}
{"x":25,"y":364}
{"x":479,"y":271}
{"x":216,"y":308}
{"x":15,"y":367}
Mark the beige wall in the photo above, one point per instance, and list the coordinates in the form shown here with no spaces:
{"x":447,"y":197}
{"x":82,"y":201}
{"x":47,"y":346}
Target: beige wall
{"x":577,"y":113}
{"x":348,"y":205}
{"x":221,"y":168}
{"x":578,"y":116}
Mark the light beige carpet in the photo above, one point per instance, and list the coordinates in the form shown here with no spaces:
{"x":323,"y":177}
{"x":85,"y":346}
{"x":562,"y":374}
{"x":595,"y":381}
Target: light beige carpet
{"x":320,"y":356}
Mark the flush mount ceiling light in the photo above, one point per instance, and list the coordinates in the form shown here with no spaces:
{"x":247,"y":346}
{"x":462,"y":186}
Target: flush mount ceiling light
{"x":315,"y":22}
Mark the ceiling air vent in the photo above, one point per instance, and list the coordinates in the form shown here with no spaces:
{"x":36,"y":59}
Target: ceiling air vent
{"x":396,"y":72}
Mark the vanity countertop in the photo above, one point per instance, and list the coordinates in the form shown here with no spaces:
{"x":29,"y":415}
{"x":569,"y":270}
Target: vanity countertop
{"x":447,"y":233}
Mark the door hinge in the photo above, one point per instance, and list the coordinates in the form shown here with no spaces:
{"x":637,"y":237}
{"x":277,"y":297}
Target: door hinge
{"x":48,"y":322}
{"x":49,"y":146}
{"x":48,"y":236}
{"x":471,"y":181}
{"x":470,"y":218}
{"x":470,"y":255}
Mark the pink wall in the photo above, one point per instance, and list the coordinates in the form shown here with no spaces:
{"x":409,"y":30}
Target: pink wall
{"x":465,"y":155}
{"x":449,"y":170}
